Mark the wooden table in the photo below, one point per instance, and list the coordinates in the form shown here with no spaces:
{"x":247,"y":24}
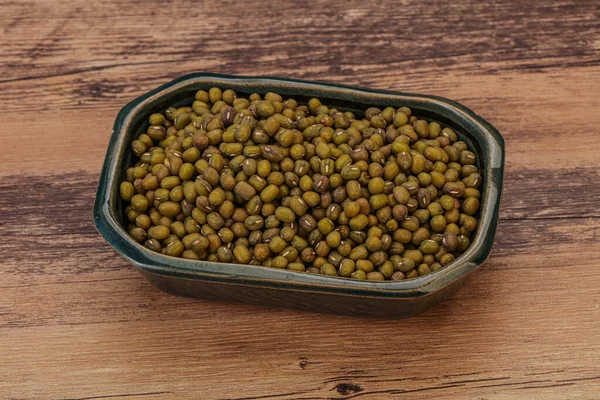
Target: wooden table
{"x":77,"y":322}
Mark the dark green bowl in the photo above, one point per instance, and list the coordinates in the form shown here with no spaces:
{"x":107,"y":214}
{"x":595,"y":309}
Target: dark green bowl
{"x":275,"y":287}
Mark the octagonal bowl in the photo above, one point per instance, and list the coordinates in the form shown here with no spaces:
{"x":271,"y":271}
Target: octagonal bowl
{"x":284,"y":288}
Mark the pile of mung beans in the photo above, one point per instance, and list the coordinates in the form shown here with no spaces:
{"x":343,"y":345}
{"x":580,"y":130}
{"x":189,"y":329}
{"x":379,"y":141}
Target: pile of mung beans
{"x":264,"y":180}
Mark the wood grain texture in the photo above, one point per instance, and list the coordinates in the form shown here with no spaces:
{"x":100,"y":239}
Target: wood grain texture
{"x":76,"y":322}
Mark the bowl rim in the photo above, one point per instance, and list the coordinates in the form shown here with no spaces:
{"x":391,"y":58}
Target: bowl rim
{"x":482,"y":131}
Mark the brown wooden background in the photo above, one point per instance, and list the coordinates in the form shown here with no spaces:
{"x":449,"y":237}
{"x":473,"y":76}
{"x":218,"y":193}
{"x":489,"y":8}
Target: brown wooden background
{"x":76,"y":322}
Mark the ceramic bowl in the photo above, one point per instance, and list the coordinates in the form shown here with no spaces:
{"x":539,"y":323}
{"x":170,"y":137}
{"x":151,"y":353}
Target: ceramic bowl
{"x":283,"y":288}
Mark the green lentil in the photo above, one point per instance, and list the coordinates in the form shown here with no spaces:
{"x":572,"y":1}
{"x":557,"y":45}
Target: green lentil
{"x":328,"y":269}
{"x":360,"y":274}
{"x":139,"y":202}
{"x":127,"y":191}
{"x":303,"y":187}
